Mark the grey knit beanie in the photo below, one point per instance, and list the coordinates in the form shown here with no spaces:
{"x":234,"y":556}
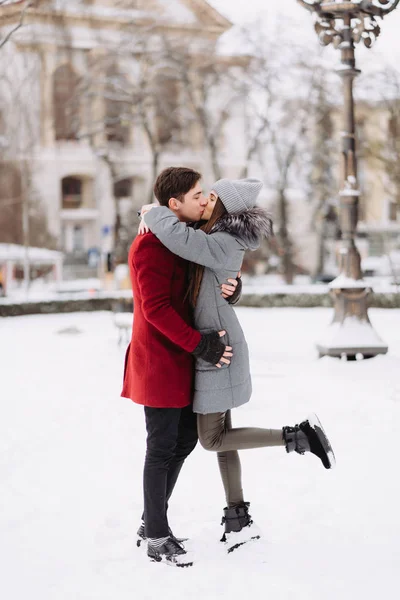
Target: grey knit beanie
{"x":237,"y":195}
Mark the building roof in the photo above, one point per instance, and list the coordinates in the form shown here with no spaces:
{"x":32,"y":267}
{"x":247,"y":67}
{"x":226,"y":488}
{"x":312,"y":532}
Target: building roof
{"x":69,"y":10}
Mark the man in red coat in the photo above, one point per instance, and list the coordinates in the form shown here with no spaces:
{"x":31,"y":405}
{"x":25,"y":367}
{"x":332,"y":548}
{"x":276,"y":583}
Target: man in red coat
{"x":159,"y":365}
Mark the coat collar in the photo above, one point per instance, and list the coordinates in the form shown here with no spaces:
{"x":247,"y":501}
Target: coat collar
{"x":250,"y":226}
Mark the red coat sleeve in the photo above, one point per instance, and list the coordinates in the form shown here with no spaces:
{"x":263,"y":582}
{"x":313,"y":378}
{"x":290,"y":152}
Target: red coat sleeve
{"x":154,"y":266}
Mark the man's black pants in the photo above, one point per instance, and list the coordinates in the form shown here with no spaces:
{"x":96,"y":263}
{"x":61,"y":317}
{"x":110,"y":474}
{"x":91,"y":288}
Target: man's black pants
{"x":171,"y":437}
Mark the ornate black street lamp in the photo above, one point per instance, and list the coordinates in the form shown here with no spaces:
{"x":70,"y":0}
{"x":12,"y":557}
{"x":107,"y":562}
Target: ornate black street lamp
{"x":345,"y":24}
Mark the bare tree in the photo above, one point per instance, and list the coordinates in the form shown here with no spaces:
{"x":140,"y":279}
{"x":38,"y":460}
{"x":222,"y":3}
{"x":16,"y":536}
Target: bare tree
{"x":277,"y":91}
{"x":379,"y":148}
{"x":22,"y":6}
{"x":139,"y":92}
{"x":156,"y":101}
{"x":124,"y":224}
{"x":22,"y":215}
{"x":283,"y":100}
{"x":158,"y":85}
{"x":286,"y":142}
{"x":212,"y":87}
{"x":386,"y":147}
{"x":323,"y":184}
{"x":260,"y":85}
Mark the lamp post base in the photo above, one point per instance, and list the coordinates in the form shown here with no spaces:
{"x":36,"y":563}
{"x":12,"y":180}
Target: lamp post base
{"x":350,"y":334}
{"x":351,"y":353}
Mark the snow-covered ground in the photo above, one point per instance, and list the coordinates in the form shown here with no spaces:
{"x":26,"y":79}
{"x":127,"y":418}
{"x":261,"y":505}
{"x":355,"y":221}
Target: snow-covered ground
{"x":71,"y":455}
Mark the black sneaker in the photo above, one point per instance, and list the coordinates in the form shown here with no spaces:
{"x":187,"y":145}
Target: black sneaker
{"x":142,"y":537}
{"x":171,"y":553}
{"x":309,"y":436}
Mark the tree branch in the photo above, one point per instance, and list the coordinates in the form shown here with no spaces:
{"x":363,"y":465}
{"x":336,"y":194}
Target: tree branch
{"x":21,"y":22}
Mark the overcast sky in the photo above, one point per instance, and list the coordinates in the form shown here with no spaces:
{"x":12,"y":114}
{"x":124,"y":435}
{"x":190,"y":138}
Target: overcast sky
{"x":387,"y":47}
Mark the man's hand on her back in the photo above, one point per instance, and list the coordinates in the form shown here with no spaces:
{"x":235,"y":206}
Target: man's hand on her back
{"x":146,"y":207}
{"x":142,"y":225}
{"x":228,"y":289}
{"x":142,"y":228}
{"x":231,"y":289}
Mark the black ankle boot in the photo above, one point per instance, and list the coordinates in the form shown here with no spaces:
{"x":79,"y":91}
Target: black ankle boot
{"x":239,"y":527}
{"x":235,"y":518}
{"x":309,"y":436}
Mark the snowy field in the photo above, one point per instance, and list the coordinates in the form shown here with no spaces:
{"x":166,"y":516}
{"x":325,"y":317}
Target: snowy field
{"x":71,"y":463}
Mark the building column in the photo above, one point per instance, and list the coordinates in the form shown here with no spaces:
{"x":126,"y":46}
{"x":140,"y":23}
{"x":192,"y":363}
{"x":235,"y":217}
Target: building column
{"x":48,"y":58}
{"x":9,"y":276}
{"x":97,"y":107}
{"x":57,"y":269}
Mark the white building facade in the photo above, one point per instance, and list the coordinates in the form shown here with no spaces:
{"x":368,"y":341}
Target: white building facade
{"x":57,"y":49}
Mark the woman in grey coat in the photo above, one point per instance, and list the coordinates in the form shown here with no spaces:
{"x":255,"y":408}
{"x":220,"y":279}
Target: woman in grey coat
{"x":234,"y":225}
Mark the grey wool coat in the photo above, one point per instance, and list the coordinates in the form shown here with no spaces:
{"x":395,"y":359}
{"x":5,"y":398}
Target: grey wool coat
{"x":221,"y":253}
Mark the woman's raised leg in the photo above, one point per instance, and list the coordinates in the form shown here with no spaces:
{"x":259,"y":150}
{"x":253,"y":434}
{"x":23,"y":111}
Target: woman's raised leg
{"x":213,"y":435}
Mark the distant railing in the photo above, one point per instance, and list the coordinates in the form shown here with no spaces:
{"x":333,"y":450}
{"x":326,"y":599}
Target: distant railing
{"x":72,"y":201}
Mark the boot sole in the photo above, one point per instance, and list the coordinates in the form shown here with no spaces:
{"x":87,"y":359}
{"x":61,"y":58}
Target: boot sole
{"x":170,"y":563}
{"x":236,"y":539}
{"x":328,"y":456}
{"x":239,"y":544}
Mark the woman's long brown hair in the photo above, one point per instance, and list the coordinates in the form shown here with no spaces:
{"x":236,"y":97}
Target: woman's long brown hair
{"x":196,"y":271}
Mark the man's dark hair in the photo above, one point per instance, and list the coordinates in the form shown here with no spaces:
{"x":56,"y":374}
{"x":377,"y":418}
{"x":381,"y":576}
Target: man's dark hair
{"x":174,"y":182}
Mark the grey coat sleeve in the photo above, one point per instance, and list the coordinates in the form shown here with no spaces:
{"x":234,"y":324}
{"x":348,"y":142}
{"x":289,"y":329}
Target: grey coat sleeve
{"x":211,"y":251}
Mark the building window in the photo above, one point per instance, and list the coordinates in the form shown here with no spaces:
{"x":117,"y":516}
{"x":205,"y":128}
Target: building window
{"x":392,"y":211}
{"x":66,"y":103}
{"x":117,"y":117}
{"x":71,"y":189}
{"x":10,"y":203}
{"x":167,"y":104}
{"x":123,"y":188}
{"x":393,"y":126}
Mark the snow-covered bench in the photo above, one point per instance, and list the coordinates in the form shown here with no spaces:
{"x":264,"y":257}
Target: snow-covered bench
{"x":123,"y":322}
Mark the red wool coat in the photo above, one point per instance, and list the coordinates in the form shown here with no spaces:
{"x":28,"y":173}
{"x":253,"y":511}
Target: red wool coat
{"x":159,"y":368}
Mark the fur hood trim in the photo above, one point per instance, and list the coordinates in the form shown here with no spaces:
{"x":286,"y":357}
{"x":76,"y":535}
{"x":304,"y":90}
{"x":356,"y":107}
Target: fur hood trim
{"x":250,"y":226}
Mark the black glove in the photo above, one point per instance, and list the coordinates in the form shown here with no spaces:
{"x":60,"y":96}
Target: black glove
{"x":210,"y":348}
{"x":234,"y":299}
